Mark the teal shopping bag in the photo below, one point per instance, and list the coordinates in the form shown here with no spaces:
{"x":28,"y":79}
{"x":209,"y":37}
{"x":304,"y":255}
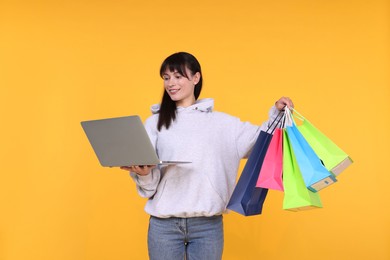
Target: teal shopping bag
{"x":314,"y":173}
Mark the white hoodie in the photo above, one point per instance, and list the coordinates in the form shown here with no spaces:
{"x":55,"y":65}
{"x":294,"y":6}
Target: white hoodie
{"x":214,"y":142}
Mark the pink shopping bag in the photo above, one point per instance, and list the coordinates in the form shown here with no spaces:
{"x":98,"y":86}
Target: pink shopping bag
{"x":271,"y":171}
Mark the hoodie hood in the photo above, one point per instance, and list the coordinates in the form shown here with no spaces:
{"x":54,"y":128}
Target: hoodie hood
{"x":203,"y":105}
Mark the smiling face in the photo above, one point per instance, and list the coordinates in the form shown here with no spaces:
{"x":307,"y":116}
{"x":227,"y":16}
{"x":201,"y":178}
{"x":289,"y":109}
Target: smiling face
{"x":180,"y":87}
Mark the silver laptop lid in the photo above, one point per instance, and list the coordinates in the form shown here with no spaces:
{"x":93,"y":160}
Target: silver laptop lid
{"x":121,"y":141}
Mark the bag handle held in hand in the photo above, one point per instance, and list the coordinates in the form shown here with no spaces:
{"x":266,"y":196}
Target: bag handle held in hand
{"x":289,"y":118}
{"x":273,"y":129}
{"x":298,"y":115}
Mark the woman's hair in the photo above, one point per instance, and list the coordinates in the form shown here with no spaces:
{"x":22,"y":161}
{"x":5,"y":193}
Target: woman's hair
{"x":177,"y":62}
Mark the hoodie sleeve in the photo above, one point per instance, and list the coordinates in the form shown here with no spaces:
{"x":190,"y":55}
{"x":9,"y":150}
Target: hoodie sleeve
{"x":246,"y":134}
{"x":272,"y":121}
{"x":147,"y":185}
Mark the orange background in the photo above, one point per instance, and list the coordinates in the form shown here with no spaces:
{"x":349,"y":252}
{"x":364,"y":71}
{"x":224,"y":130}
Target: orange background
{"x":62,"y":62}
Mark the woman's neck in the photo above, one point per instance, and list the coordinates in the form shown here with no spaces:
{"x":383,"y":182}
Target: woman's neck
{"x":185,"y":103}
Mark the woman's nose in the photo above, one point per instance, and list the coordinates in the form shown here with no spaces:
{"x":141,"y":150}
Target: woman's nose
{"x":171,"y":82}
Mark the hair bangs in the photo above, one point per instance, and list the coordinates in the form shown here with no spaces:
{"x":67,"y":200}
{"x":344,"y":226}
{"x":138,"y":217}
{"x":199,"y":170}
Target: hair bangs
{"x":174,"y":64}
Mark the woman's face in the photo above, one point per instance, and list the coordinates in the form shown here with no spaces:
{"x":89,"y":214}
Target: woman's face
{"x":180,"y":88}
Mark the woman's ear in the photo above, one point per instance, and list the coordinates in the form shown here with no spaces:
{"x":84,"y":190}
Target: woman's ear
{"x":196,"y":78}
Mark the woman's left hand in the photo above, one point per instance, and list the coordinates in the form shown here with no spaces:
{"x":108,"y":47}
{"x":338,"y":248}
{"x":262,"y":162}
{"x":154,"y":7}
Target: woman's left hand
{"x":139,"y":169}
{"x":282,"y":102}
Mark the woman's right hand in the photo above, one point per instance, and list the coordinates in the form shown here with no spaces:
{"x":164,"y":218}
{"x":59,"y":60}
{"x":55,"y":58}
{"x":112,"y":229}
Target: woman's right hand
{"x":139,"y":169}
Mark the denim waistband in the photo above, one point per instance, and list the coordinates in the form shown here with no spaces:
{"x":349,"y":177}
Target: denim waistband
{"x":199,"y":217}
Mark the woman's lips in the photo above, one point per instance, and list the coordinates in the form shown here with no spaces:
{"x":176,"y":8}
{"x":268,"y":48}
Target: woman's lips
{"x":173,"y":91}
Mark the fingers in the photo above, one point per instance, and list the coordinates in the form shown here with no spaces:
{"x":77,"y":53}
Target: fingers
{"x":284,"y":101}
{"x":126,"y":168}
{"x":139,"y":169}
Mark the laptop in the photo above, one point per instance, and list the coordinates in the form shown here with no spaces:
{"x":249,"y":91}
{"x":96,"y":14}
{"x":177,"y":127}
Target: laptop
{"x":122,"y":141}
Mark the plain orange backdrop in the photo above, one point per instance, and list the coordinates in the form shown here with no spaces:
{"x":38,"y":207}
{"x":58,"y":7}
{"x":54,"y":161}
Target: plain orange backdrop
{"x":62,"y":62}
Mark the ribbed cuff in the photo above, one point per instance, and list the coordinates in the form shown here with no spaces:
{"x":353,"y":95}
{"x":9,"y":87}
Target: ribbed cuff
{"x":144,"y":179}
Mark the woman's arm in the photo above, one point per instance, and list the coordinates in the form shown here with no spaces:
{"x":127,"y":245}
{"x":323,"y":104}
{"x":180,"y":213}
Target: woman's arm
{"x":246,"y":134}
{"x":147,"y":183}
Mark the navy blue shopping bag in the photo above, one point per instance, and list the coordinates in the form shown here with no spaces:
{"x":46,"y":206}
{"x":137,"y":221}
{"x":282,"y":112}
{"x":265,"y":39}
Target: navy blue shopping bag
{"x":247,"y":199}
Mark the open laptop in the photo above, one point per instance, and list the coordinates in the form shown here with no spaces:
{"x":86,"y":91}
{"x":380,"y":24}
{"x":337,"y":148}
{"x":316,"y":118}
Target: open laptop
{"x":122,"y":141}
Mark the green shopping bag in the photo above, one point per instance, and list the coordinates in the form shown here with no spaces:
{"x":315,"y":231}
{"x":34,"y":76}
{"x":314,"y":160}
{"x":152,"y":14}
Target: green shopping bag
{"x":335,"y":160}
{"x":296,"y":195}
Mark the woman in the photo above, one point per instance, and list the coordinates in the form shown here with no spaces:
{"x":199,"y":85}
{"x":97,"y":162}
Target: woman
{"x":186,"y":201}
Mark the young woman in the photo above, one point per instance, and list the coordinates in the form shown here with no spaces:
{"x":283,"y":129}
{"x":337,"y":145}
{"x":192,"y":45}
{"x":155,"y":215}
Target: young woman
{"x":186,"y":201}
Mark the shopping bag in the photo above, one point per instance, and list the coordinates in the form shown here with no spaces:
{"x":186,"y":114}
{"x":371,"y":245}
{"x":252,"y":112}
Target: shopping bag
{"x":334,"y":159}
{"x":296,"y":195}
{"x":247,"y":199}
{"x":271,"y":171}
{"x":314,"y":173}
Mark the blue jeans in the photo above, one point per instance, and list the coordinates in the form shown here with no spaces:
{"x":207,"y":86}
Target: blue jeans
{"x":198,"y":238}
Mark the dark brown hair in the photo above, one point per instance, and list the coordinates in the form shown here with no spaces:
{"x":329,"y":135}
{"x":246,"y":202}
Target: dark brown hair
{"x":179,"y":62}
